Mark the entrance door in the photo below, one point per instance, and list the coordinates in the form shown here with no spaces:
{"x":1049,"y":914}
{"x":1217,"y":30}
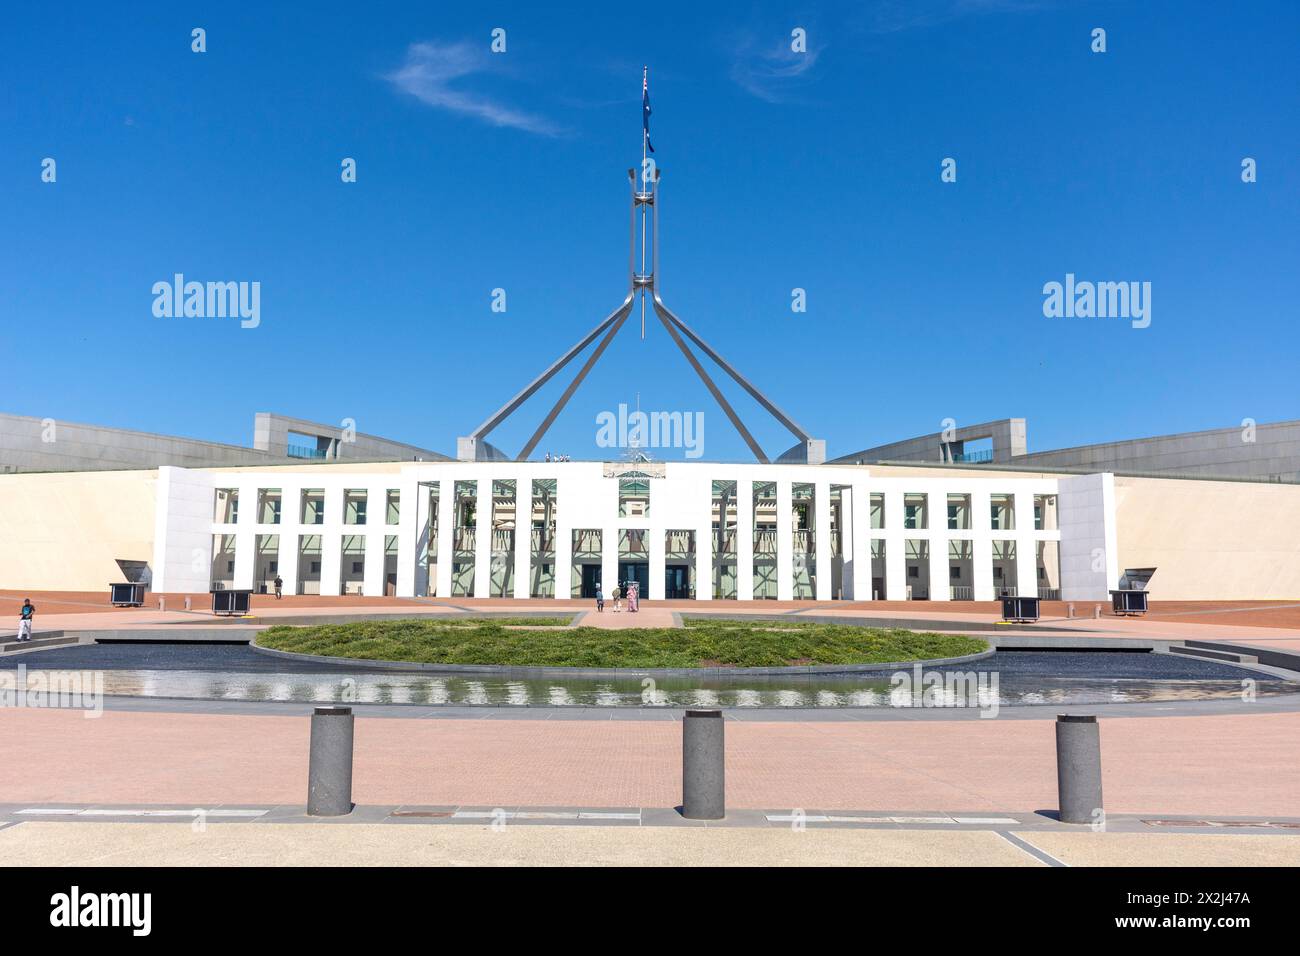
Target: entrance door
{"x":638,"y":571}
{"x":677,"y":581}
{"x":590,"y":580}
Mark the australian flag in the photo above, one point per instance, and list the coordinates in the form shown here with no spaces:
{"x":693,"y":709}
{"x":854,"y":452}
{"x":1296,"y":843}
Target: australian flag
{"x":645,"y":106}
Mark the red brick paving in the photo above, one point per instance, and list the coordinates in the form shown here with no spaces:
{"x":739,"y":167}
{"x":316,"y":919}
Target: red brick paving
{"x":1280,"y":614}
{"x":90,"y":602}
{"x":1239,"y":765}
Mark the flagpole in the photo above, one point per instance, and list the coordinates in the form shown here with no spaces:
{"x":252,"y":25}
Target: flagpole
{"x":645,"y":136}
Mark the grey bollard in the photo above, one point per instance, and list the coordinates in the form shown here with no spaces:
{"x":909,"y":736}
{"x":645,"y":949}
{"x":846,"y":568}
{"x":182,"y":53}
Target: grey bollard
{"x":1096,"y":612}
{"x":187,"y":603}
{"x":704,"y":789}
{"x":329,"y":773}
{"x":1070,"y":612}
{"x":1078,"y":768}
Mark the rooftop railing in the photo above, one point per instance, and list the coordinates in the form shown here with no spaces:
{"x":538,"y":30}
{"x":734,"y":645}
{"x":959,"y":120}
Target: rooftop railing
{"x":305,"y":451}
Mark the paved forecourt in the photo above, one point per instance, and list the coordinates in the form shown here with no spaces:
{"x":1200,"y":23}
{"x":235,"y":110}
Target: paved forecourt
{"x":517,"y":844}
{"x":1228,"y":762}
{"x":1238,"y":764}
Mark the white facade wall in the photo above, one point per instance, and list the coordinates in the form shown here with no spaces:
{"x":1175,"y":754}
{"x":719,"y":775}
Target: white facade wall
{"x":291,"y":484}
{"x":1089,"y":553}
{"x":182,"y":544}
{"x":679,"y":500}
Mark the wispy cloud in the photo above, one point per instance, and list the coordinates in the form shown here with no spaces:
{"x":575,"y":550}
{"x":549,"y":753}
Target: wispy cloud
{"x":431,"y":68}
{"x":773,"y":72}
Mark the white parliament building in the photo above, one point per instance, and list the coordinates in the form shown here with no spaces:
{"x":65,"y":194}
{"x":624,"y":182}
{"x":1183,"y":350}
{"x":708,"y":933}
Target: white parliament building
{"x":682,"y":530}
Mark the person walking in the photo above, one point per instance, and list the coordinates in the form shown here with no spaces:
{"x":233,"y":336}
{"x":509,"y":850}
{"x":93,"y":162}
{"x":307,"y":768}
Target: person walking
{"x":279,"y":587}
{"x":618,"y":606}
{"x":600,"y":599}
{"x":25,"y":616}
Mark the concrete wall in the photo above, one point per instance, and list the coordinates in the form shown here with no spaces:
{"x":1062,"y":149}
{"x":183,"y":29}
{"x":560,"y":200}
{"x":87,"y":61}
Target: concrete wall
{"x":36,"y":444}
{"x":1008,"y":437}
{"x":1211,"y":539}
{"x":42,"y":444}
{"x":1272,"y":451}
{"x":66,"y":531}
{"x":271,"y":435}
{"x":1264,"y":451}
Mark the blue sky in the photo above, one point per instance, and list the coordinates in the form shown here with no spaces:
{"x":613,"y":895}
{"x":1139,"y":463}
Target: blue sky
{"x":821,"y":171}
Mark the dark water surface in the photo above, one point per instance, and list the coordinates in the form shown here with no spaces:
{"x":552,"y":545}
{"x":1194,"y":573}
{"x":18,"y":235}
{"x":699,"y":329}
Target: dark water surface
{"x":1007,"y":678}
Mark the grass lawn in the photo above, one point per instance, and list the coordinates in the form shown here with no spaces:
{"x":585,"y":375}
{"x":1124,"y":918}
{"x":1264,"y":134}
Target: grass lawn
{"x":702,"y":643}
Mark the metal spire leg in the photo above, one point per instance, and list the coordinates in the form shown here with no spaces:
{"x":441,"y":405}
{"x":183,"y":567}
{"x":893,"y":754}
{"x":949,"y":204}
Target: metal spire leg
{"x":660,"y":310}
{"x":508,"y":409}
{"x":621,"y":315}
{"x":722,"y":363}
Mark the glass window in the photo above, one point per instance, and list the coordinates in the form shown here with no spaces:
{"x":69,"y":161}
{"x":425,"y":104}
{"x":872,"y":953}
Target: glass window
{"x":268,"y":506}
{"x":958,"y":512}
{"x":633,"y":497}
{"x":1002,"y":512}
{"x":1045,"y":513}
{"x":354,"y":506}
{"x":227,"y":507}
{"x":914,"y":512}
{"x":313,"y":506}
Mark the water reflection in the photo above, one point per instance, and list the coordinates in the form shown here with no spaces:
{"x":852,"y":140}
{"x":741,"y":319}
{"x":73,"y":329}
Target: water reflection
{"x":873,"y":690}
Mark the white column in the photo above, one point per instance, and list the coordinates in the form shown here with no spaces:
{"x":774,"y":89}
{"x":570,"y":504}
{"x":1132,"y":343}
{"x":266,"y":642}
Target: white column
{"x":246,"y":537}
{"x":609,"y":560}
{"x":372,"y":580}
{"x":563,"y":543}
{"x":982,"y":546}
{"x":287,"y":559}
{"x":245,"y":557}
{"x":847,"y":563}
{"x":704,"y":558}
{"x":939,"y":588}
{"x":1026,"y":566}
{"x":784,"y":541}
{"x":895,"y":547}
{"x":331,"y":542}
{"x":1026,"y":549}
{"x":415,"y":542}
{"x":523,"y":536}
{"x":937,"y":510}
{"x":658,"y":547}
{"x":744,"y":539}
{"x":406,"y":530}
{"x":446,"y":535}
{"x":483,"y":539}
{"x":822,"y":539}
{"x":861,"y":524}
